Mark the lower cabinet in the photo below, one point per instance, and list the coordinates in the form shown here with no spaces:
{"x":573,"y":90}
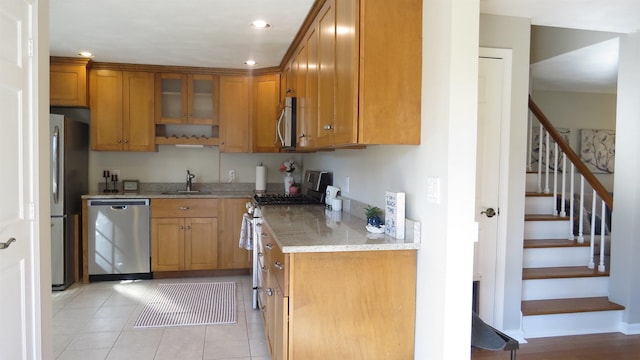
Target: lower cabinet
{"x":339,"y":305}
{"x":230,"y":255}
{"x":184,"y":234}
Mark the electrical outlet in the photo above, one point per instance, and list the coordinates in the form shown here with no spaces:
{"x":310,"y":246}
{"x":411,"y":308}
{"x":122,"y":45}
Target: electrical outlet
{"x":232,"y":175}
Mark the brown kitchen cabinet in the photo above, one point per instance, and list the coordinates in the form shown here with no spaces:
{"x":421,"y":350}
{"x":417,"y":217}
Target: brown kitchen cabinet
{"x":230,"y":255}
{"x":266,"y":109}
{"x":234,"y":114}
{"x":121,"y":110}
{"x":363,"y":86}
{"x":327,"y":305}
{"x":186,"y":108}
{"x":184,"y":234}
{"x":68,"y":84}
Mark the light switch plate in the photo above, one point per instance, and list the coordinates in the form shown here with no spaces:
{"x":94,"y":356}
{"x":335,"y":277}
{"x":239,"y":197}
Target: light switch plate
{"x":433,"y":190}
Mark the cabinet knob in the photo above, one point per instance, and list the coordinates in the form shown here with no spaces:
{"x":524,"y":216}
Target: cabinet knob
{"x":184,"y":208}
{"x":328,"y":127}
{"x":263,"y":234}
{"x":278,"y":265}
{"x":181,"y":227}
{"x":188,"y":227}
{"x":302,"y":135}
{"x":263,"y":268}
{"x":126,"y":141}
{"x":269,"y":246}
{"x":270,"y":291}
{"x":119,"y":141}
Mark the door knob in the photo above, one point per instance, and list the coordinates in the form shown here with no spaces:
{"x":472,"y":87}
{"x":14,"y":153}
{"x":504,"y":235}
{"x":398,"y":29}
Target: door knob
{"x":489,"y":212}
{"x":5,"y":245}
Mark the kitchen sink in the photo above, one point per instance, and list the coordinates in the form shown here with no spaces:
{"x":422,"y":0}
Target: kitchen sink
{"x":187,"y":192}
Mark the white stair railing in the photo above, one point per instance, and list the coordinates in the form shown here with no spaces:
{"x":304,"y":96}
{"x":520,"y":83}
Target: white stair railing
{"x":549,"y":168}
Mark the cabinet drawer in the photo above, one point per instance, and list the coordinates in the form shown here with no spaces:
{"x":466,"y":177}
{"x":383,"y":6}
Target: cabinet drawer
{"x":184,"y":208}
{"x":278,"y":263}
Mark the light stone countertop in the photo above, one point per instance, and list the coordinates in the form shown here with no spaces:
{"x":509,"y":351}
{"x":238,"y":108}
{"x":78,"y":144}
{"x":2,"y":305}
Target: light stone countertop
{"x":312,"y":228}
{"x":161,"y":195}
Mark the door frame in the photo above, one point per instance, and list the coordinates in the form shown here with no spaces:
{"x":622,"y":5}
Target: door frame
{"x":498,"y":297}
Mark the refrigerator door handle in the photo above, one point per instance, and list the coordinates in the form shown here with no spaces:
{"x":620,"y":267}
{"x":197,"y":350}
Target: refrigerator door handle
{"x":55,"y":164}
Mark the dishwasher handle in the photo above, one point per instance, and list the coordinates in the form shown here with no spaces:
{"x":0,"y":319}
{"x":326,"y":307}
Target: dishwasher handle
{"x":114,"y":203}
{"x":119,"y":207}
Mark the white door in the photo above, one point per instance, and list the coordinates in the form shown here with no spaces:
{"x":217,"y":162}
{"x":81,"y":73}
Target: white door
{"x":493,"y":98}
{"x":19,"y":266}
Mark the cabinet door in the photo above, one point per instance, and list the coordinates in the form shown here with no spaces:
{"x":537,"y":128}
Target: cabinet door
{"x":301,"y":92}
{"x":281,"y":325}
{"x":265,"y":100}
{"x":106,"y":110}
{"x":311,"y":97}
{"x":68,"y":84}
{"x":345,"y":125}
{"x":138,"y":123}
{"x":234,"y":114}
{"x":171,"y":99}
{"x":202,"y":100}
{"x":167,"y":244}
{"x":326,"y":74}
{"x":231,"y":256}
{"x":201,"y":243}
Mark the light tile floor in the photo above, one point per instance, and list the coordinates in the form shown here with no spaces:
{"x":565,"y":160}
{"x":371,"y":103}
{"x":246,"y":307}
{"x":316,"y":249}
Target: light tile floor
{"x":95,"y":322}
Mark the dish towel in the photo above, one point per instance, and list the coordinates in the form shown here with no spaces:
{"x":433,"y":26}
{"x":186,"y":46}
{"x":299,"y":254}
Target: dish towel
{"x":246,"y":232}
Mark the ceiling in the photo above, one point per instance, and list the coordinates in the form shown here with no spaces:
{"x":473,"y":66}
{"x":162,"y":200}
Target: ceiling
{"x":217,"y":33}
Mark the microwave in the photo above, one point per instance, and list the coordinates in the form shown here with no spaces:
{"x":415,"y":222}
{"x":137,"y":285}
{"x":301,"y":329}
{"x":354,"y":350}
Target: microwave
{"x":286,"y":125}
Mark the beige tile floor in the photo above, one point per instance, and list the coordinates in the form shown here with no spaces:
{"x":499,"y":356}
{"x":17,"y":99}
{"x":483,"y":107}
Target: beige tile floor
{"x":95,"y":322}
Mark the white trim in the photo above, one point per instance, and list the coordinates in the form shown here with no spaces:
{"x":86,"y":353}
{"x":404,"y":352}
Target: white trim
{"x":501,"y":244}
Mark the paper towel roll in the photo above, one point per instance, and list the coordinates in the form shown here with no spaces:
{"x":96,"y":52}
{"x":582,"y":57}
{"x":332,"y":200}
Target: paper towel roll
{"x":261,"y":178}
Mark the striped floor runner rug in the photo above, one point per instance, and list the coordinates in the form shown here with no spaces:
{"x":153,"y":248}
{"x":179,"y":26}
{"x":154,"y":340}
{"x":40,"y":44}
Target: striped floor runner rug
{"x":190,"y":304}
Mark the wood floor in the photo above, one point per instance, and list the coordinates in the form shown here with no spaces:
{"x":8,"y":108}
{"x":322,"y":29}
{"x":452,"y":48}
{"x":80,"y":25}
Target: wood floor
{"x":613,"y":346}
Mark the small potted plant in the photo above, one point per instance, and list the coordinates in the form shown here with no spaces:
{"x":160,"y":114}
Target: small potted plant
{"x":373,"y":214}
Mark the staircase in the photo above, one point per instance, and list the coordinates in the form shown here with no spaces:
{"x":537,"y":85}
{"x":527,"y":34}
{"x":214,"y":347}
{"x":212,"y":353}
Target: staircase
{"x":565,"y":282}
{"x":561,"y":295}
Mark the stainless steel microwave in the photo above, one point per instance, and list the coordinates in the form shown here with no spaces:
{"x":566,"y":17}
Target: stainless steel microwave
{"x":286,"y":125}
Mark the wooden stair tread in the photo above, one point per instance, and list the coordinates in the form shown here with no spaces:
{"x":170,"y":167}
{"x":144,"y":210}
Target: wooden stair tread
{"x":537,"y":194}
{"x":552,"y":243}
{"x":561,"y":272}
{"x":544,"y":217}
{"x":567,"y":306}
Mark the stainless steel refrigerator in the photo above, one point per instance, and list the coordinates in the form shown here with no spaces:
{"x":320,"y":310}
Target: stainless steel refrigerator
{"x":69,"y":141}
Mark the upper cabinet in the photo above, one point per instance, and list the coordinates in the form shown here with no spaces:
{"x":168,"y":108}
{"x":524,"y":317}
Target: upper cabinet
{"x":122,"y":110}
{"x":187,"y":99}
{"x":234,"y":114}
{"x":361,"y":81}
{"x":68,"y":82}
{"x":266,"y":109}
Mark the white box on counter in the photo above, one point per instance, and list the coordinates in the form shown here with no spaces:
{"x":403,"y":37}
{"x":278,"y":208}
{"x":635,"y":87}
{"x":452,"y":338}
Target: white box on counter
{"x":394,"y":214}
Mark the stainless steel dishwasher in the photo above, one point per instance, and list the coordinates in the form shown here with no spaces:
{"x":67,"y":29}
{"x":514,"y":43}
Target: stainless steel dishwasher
{"x":118,"y":244}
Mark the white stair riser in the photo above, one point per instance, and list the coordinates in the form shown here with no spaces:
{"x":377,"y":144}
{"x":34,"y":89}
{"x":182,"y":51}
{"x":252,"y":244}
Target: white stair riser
{"x":543,"y":289}
{"x":532,"y":183}
{"x":571,"y":324}
{"x":552,"y":257}
{"x":538,"y":205}
{"x":546,"y":229}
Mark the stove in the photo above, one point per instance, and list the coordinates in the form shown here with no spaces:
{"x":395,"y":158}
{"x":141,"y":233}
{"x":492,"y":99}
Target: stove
{"x":313,"y":189}
{"x":314,"y":185}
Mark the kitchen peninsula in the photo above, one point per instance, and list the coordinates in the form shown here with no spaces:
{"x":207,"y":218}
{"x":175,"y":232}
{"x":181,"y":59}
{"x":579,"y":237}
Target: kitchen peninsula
{"x":330,"y":290}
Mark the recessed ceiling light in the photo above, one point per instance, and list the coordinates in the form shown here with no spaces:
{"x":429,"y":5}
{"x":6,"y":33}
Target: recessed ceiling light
{"x":86,"y":54}
{"x":260,"y":24}
{"x":250,"y":62}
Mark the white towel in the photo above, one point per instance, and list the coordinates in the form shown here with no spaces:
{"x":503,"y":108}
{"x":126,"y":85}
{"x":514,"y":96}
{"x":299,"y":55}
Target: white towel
{"x":246,"y":232}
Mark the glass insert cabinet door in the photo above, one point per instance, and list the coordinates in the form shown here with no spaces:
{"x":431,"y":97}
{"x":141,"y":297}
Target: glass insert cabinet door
{"x":187,"y":99}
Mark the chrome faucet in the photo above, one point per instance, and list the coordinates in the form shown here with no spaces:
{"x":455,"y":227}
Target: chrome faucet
{"x":190,"y":177}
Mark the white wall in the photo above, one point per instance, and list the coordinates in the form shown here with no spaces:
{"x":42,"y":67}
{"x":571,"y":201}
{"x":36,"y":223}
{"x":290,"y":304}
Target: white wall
{"x":170,"y":164}
{"x":625,"y":269}
{"x":577,"y":111}
{"x":513,"y":33}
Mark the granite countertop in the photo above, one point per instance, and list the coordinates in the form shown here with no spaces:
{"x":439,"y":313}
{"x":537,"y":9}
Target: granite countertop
{"x":312,"y":228}
{"x":162,"y":195}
